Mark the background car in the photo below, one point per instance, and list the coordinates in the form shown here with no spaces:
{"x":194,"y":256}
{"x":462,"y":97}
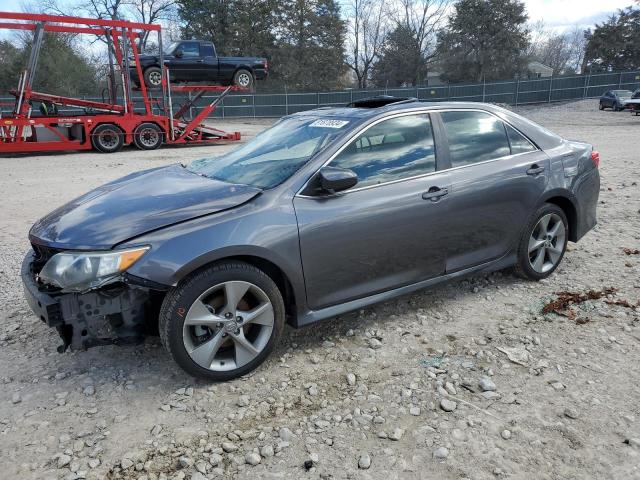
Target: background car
{"x":325,"y":212}
{"x":615,"y":99}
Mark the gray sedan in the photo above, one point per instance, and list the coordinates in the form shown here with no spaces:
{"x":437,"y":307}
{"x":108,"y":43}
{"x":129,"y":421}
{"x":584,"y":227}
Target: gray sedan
{"x":328,"y":211}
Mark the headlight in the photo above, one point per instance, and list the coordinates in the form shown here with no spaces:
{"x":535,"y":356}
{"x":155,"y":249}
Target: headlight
{"x":79,"y":271}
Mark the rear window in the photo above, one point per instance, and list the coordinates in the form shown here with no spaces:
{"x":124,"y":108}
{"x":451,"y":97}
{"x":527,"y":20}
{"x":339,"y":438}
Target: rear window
{"x":518,"y":142}
{"x":474,"y":137}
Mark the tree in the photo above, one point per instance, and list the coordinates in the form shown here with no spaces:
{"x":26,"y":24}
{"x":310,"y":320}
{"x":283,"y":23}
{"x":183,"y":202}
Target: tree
{"x":485,"y":40}
{"x":61,"y":69}
{"x":367,"y":28}
{"x":564,"y":52}
{"x":614,"y":45}
{"x":11,"y":69}
{"x":399,"y":65}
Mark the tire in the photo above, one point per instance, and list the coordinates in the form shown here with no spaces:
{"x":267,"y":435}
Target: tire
{"x":543,"y":243}
{"x":107,"y":138}
{"x":148,"y":136}
{"x":601,"y":106}
{"x":153,"y":77}
{"x":616,"y":107}
{"x":206,"y":336}
{"x":244,"y":78}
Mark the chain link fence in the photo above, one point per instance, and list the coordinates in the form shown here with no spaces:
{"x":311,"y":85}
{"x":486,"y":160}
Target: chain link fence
{"x":515,"y":92}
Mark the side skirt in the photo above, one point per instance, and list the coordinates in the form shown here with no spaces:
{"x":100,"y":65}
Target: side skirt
{"x":312,"y":316}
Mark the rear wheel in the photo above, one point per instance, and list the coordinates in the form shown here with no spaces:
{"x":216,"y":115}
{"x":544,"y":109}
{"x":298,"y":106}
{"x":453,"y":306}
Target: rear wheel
{"x":153,"y":77}
{"x":244,"y":78}
{"x":107,"y":138}
{"x":543,"y":243}
{"x":148,"y":136}
{"x":601,"y":106}
{"x":222,"y":322}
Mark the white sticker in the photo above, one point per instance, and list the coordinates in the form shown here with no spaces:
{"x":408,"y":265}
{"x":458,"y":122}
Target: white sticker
{"x":329,"y":123}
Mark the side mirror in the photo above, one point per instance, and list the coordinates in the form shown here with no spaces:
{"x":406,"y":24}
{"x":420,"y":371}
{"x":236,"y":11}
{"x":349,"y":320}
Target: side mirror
{"x":334,"y":179}
{"x":178,"y":53}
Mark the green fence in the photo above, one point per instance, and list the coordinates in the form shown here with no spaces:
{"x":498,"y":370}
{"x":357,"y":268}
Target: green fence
{"x":516,"y":92}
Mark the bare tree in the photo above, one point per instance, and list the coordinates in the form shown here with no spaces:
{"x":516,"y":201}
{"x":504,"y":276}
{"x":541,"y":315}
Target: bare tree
{"x":366,"y":34}
{"x":563,"y":51}
{"x":150,"y":11}
{"x":422,"y":20}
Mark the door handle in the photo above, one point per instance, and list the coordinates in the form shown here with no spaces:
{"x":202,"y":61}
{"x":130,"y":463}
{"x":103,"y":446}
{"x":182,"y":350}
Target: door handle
{"x":535,"y":170}
{"x":199,"y":61}
{"x":435,"y":193}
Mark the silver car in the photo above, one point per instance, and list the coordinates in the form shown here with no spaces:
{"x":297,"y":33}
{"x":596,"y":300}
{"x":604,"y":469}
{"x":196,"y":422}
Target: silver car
{"x":327,"y":211}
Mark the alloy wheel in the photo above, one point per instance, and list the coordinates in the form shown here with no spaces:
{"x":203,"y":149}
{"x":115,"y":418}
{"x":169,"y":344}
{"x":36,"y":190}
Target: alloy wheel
{"x":546,"y":243}
{"x":155,"y":78}
{"x":244,"y":80}
{"x":228,"y":325}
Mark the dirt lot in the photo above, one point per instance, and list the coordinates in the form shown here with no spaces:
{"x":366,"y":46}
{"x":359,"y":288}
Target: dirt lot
{"x":530,"y":395}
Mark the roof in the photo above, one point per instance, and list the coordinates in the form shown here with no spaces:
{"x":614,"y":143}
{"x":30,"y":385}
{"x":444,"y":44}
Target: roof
{"x":541,"y":136}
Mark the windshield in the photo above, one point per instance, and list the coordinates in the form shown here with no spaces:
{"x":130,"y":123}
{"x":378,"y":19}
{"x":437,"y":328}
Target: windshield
{"x":274,"y":155}
{"x":623,"y":93}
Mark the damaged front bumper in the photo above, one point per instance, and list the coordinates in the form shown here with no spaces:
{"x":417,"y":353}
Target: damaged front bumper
{"x":113,"y":314}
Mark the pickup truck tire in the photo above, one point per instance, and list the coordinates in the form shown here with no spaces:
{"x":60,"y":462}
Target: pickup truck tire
{"x":148,"y":136}
{"x":107,"y":138}
{"x":244,"y":78}
{"x":153,"y":77}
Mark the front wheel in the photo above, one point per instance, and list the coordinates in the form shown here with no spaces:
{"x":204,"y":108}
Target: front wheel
{"x":153,"y":77}
{"x":543,"y":243}
{"x":222,"y":322}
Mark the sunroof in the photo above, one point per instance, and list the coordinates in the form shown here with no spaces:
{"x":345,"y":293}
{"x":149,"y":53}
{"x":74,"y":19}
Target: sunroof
{"x":380,"y":101}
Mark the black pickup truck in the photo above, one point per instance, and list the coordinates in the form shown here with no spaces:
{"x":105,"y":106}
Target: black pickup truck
{"x":196,"y":61}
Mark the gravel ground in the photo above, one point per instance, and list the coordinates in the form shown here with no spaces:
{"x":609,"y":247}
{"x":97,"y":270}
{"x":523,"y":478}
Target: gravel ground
{"x":465,"y":381}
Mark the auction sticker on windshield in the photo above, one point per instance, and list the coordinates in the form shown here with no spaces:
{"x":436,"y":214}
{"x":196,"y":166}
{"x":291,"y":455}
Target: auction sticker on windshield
{"x":329,"y":123}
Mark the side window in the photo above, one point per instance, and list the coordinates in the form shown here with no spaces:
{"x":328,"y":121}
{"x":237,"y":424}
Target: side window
{"x":207,"y":50}
{"x":519,"y":144}
{"x":394,"y":149}
{"x":474,"y":137}
{"x":190,"y":49}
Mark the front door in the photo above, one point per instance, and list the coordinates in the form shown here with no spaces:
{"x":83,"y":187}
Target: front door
{"x":497,"y":177}
{"x":187,"y":65}
{"x":384,"y":233}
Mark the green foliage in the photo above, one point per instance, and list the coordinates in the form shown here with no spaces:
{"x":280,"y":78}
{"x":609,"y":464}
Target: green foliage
{"x":485,"y":40}
{"x":302,"y":39}
{"x":615,"y":45}
{"x":61,"y":70}
{"x":402,"y":62}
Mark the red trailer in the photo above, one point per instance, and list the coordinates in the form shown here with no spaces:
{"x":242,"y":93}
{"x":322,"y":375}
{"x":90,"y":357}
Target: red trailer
{"x":108,"y":125}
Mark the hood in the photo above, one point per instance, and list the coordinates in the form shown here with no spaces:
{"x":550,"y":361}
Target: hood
{"x":136,"y":204}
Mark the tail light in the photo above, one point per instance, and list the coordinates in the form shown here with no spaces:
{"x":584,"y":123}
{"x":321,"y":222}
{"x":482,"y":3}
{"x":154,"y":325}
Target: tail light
{"x":595,"y":158}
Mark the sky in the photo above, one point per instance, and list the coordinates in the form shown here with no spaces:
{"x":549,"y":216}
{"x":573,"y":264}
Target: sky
{"x":557,"y":14}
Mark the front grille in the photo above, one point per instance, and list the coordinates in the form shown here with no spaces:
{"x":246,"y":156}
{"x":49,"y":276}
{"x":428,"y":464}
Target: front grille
{"x":42,"y":256}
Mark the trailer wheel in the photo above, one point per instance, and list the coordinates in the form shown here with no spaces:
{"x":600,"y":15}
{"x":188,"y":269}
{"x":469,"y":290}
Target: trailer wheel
{"x":148,"y":136}
{"x":107,"y":138}
{"x":153,"y":77}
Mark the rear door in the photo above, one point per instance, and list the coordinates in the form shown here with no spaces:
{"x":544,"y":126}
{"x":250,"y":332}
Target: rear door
{"x":497,"y":178}
{"x":209,"y":62}
{"x":385,"y":232}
